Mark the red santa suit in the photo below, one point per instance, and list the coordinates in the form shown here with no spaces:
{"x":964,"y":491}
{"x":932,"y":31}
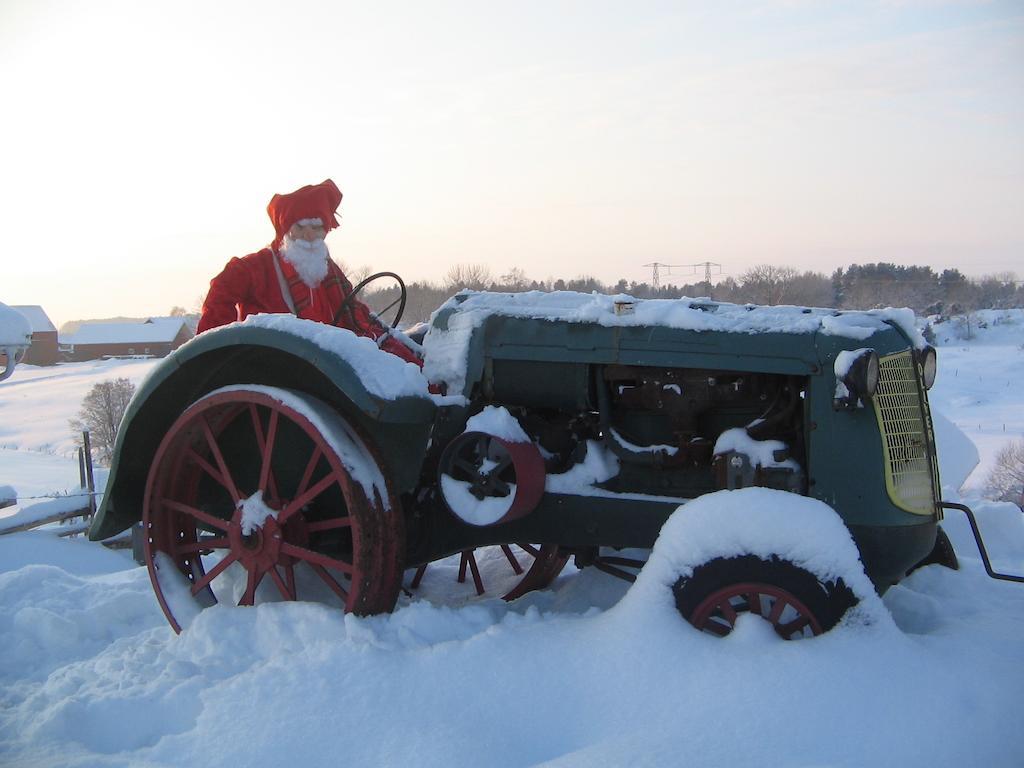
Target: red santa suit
{"x":267,"y":282}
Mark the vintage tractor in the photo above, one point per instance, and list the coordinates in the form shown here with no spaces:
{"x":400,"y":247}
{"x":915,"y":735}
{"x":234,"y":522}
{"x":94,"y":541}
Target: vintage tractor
{"x":277,"y":459}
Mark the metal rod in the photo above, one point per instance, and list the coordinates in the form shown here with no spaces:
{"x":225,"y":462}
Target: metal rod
{"x":628,"y":562}
{"x":611,"y":570}
{"x":977,"y":538}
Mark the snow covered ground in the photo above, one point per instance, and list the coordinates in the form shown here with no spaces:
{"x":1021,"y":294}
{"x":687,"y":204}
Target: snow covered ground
{"x":583,"y":673}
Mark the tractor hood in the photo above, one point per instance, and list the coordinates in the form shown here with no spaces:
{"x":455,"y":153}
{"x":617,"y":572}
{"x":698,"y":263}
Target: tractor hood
{"x":472,"y":330}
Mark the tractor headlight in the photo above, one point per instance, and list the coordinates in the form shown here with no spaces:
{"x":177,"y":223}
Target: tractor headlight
{"x":864,"y":373}
{"x":857,"y":377}
{"x":929,"y":365}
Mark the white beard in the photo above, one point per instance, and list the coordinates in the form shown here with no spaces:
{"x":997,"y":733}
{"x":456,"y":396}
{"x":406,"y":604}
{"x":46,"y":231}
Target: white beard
{"x":308,"y":257}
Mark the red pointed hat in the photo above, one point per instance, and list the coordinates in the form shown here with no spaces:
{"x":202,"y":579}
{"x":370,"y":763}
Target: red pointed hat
{"x":314,"y":201}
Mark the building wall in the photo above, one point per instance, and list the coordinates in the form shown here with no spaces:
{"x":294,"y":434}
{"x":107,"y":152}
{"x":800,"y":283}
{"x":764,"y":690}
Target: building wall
{"x":96,"y":351}
{"x":183,"y":335}
{"x":43,"y":350}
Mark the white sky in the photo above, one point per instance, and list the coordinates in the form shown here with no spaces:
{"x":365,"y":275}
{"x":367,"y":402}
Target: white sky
{"x":140,"y":142}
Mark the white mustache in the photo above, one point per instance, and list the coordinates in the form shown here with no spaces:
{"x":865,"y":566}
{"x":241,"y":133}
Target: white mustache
{"x":309,"y":257}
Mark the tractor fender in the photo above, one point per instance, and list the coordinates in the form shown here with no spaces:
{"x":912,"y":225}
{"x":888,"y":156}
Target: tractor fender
{"x":331,"y":364}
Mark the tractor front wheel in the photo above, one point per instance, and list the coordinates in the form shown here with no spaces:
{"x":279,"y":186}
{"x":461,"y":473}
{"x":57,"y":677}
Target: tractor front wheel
{"x":795,"y":602}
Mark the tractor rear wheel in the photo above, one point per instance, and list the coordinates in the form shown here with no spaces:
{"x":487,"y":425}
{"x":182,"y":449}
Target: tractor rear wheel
{"x":262,"y":486}
{"x":794,"y":601}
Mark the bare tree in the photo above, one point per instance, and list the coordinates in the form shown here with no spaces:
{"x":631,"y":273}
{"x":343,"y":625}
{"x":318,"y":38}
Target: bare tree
{"x":768,"y":284}
{"x":1006,"y":480}
{"x":513,"y":280}
{"x":356,"y":275}
{"x":476,"y":277}
{"x":101,"y":414}
{"x":177,"y":311}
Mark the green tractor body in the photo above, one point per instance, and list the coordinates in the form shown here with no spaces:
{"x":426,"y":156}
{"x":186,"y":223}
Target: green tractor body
{"x":625,"y":409}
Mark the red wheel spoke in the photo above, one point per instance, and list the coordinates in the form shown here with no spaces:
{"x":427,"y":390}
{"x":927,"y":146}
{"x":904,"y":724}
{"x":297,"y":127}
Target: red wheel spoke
{"x":512,"y":559}
{"x":776,"y":612}
{"x":306,"y":497}
{"x":307,"y":475}
{"x":208,"y":468}
{"x":266,"y":445}
{"x":213,"y":573}
{"x":251,"y":583}
{"x":198,"y":514}
{"x":286,"y":593}
{"x":202,"y":545}
{"x":754,"y":602}
{"x":715,"y":628}
{"x":728,"y":612}
{"x":330,"y":581}
{"x":228,"y":482}
{"x":529,"y":548}
{"x":326,"y":525}
{"x":791,"y":628}
{"x":315,"y":558}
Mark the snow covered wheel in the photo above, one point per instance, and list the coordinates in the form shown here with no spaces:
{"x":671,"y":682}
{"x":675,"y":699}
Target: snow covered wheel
{"x":262,"y":487}
{"x":794,"y":601}
{"x":503,"y":562}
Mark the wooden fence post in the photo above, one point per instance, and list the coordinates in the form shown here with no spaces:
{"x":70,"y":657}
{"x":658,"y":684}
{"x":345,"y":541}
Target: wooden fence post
{"x":90,"y":481}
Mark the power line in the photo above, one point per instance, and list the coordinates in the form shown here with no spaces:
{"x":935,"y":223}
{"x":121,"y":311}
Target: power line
{"x":708,"y":266}
{"x":656,"y":271}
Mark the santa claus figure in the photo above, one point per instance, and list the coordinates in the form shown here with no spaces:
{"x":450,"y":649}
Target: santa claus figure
{"x":295,"y":273}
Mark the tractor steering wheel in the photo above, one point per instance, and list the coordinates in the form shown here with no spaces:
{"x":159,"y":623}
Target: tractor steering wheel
{"x":346,"y":305}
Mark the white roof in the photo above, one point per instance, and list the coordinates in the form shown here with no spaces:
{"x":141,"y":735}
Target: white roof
{"x":36,"y":317}
{"x":155,"y":330}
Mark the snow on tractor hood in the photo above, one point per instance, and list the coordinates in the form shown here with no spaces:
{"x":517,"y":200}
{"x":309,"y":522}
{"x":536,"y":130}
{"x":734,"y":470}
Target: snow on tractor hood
{"x":383,"y":375}
{"x":450,"y":344}
{"x":683,"y":313}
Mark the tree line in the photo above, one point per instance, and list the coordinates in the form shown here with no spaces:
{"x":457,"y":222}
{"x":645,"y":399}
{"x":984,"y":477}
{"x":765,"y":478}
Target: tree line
{"x":859,"y":286}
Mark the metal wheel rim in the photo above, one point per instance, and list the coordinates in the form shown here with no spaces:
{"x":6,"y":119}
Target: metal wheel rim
{"x":176,"y":528}
{"x":787,"y":614}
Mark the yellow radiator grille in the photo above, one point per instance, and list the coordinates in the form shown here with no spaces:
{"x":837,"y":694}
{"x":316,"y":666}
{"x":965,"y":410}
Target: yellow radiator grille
{"x":905,"y":435}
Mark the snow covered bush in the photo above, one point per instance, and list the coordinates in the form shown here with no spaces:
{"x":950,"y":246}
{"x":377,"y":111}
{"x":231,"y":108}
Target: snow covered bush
{"x":1006,"y":480}
{"x":102,"y":410}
